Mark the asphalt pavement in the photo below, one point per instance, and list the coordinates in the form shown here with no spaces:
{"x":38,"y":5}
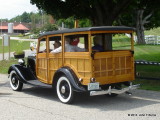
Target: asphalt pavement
{"x":34,"y":103}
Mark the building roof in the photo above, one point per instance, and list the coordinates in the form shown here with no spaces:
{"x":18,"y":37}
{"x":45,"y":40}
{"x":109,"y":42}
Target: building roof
{"x":20,"y":27}
{"x":3,"y":27}
{"x":98,"y":28}
{"x":17,"y":26}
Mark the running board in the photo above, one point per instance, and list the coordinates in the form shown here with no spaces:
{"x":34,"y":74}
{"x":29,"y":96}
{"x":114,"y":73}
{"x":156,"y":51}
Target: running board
{"x":37,"y":83}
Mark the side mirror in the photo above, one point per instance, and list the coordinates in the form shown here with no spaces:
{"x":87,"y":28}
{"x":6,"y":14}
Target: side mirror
{"x":33,"y":46}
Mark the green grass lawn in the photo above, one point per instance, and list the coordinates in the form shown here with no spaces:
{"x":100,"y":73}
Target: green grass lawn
{"x":16,"y":45}
{"x":147,"y":52}
{"x":152,"y":71}
{"x":148,"y":84}
{"x":149,"y":71}
{"x":5,"y":64}
{"x":155,"y":31}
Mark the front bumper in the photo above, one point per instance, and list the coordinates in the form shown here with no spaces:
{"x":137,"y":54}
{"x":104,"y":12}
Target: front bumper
{"x":116,"y":91}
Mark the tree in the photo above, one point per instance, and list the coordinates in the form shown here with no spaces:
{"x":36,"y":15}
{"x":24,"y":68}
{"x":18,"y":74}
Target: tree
{"x":143,"y":15}
{"x":16,"y":19}
{"x":100,"y":12}
{"x":140,"y":22}
{"x":146,"y":9}
{"x":25,"y":17}
{"x":69,"y":22}
{"x":49,"y":27}
{"x":84,"y":23}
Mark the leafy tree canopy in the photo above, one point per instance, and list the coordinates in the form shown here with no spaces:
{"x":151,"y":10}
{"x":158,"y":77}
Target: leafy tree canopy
{"x":100,"y":12}
{"x":105,"y":12}
{"x":69,"y":22}
{"x":49,"y":27}
{"x":151,"y":14}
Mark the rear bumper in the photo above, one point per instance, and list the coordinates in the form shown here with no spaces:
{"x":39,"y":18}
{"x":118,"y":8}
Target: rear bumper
{"x":116,"y":91}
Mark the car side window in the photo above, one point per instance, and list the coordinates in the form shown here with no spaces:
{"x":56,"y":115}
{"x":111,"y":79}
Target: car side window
{"x":42,"y":45}
{"x":55,"y":42}
{"x":97,"y":43}
{"x":76,"y":43}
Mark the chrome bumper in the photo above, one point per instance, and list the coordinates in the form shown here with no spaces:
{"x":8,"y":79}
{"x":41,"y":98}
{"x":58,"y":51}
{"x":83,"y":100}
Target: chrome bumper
{"x":116,"y":91}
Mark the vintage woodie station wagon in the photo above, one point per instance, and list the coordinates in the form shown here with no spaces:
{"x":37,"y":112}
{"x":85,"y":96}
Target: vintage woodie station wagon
{"x":97,"y":60}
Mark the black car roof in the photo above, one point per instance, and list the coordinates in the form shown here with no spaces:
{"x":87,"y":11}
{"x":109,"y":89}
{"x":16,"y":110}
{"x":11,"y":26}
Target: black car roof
{"x":99,"y":28}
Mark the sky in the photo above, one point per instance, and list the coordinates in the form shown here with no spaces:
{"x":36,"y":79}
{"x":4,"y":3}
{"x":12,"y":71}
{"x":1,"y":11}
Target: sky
{"x":12,"y":8}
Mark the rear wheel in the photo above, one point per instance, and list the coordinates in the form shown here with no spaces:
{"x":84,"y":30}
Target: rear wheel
{"x":15,"y":84}
{"x":64,"y":90}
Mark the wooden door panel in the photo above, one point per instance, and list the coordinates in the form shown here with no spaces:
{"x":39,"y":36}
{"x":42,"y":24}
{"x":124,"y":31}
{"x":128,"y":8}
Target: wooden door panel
{"x":42,"y":67}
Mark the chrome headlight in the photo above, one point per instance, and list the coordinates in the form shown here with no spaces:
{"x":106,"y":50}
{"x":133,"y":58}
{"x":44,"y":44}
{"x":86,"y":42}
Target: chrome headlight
{"x":21,"y":61}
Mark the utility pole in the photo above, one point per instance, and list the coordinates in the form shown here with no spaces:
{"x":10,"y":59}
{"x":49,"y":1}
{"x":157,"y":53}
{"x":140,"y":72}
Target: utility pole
{"x":1,"y":26}
{"x":2,"y":42}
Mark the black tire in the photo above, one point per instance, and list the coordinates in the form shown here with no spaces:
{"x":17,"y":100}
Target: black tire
{"x":15,"y":84}
{"x":64,"y":90}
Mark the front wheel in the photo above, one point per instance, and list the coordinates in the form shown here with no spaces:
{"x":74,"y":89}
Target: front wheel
{"x":15,"y":84}
{"x":64,"y":90}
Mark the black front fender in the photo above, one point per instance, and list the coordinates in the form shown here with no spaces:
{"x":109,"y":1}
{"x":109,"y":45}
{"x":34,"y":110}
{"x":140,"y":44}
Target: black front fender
{"x":72,"y":78}
{"x":24,"y":74}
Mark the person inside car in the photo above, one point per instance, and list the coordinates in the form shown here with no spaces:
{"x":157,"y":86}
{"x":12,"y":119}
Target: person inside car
{"x":68,"y":47}
{"x":97,"y":44}
{"x":57,"y":44}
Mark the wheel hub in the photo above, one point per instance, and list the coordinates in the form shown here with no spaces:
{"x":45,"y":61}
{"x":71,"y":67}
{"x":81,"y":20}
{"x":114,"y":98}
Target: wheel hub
{"x":13,"y":80}
{"x":63,"y":89}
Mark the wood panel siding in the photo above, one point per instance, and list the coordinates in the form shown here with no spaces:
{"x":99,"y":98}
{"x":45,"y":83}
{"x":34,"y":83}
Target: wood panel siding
{"x":80,"y":62}
{"x":112,"y":67}
{"x":42,"y":67}
{"x":54,"y":63}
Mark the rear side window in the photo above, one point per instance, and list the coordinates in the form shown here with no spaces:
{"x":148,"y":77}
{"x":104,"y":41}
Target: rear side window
{"x":76,"y":43}
{"x":111,"y":41}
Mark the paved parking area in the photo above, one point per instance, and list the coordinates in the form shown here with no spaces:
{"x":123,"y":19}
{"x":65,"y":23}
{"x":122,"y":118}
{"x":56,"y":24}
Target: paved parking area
{"x":34,"y":103}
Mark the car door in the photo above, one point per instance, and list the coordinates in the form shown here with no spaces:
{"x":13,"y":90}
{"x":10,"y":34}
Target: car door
{"x":54,"y":59}
{"x":41,"y":60}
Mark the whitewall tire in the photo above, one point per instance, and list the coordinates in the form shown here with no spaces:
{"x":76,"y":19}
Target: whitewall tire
{"x":15,"y":84}
{"x":64,"y":90}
